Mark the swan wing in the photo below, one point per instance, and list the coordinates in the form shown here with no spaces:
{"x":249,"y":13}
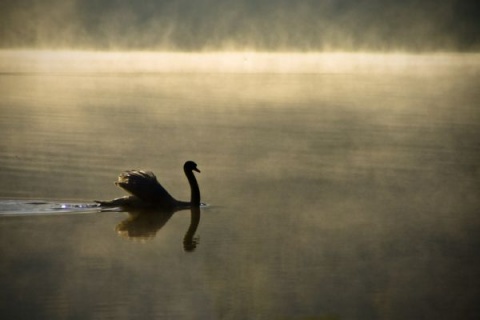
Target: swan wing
{"x":144,"y":185}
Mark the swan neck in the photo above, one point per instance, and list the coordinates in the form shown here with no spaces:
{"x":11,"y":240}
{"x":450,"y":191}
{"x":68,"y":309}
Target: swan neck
{"x":195,"y":190}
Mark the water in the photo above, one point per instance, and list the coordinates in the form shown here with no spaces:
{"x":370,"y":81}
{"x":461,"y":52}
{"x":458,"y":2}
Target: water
{"x":335,"y":189}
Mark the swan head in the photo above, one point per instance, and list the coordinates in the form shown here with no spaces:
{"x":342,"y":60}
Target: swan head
{"x":190,"y":166}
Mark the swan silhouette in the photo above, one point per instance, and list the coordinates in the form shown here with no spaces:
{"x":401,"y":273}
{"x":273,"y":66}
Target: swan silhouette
{"x":147,"y":192}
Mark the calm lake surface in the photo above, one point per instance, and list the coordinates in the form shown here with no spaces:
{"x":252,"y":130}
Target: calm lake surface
{"x":338,"y":186}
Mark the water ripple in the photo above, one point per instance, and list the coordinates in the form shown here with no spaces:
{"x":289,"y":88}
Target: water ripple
{"x":41,"y":207}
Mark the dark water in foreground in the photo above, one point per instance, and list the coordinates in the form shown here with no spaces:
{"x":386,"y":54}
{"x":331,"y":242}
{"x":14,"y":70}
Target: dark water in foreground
{"x":331,"y":195}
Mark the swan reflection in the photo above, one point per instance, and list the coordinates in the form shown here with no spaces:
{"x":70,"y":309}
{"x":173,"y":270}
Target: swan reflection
{"x":189,"y":240}
{"x":143,"y":225}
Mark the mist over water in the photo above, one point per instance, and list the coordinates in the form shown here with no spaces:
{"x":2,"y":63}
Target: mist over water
{"x":340,"y":186}
{"x":340,"y":167}
{"x":242,"y":62}
{"x":273,"y":25}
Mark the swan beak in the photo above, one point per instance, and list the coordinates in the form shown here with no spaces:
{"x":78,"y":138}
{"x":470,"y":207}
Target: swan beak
{"x":196,"y":169}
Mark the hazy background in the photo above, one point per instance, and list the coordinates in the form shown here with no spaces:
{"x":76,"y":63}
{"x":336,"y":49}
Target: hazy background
{"x":186,"y":25}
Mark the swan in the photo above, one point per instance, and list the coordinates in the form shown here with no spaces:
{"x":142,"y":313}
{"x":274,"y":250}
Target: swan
{"x":147,"y":192}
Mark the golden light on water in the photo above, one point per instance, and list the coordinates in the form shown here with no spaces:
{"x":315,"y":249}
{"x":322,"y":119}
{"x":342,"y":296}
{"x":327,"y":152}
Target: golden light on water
{"x":12,"y":61}
{"x":359,"y":164}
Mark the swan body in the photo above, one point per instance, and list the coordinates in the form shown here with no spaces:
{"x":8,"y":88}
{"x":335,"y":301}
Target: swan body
{"x":146,"y":191}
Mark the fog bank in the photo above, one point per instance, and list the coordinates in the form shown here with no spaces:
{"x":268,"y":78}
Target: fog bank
{"x":210,"y":25}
